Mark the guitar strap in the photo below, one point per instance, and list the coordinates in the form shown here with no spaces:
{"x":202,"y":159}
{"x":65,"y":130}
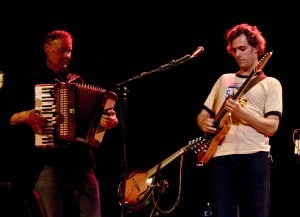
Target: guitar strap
{"x":260,"y":76}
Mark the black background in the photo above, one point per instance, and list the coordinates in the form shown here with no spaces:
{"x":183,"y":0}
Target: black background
{"x":118,"y":41}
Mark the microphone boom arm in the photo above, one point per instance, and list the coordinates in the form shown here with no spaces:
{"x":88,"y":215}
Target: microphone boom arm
{"x":166,"y":66}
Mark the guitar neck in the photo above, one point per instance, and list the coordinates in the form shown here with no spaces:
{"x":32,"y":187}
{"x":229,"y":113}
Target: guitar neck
{"x":242,"y":88}
{"x":172,"y":157}
{"x":164,"y":163}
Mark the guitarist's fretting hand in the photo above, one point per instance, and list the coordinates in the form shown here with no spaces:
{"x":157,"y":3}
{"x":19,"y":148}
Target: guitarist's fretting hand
{"x":235,"y":109}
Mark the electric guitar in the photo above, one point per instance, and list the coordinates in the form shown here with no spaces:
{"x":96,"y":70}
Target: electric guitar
{"x":207,"y":149}
{"x":139,"y":184}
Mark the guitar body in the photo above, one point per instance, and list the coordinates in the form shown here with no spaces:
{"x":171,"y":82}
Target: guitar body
{"x":138,"y":188}
{"x":207,"y":149}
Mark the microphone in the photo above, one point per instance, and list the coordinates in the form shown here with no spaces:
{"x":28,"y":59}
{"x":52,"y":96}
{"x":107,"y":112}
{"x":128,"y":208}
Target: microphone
{"x":197,"y":52}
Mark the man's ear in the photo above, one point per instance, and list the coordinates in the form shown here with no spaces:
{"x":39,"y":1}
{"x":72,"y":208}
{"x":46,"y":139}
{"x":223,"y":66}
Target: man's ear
{"x":1,"y":79}
{"x":46,"y":47}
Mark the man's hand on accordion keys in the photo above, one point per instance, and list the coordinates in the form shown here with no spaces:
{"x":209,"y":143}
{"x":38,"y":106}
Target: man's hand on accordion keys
{"x":31,"y":117}
{"x":36,"y":121}
{"x":109,"y":119}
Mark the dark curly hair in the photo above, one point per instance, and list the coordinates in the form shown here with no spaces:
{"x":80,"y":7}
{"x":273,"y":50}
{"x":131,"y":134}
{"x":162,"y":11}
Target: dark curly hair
{"x":252,"y":33}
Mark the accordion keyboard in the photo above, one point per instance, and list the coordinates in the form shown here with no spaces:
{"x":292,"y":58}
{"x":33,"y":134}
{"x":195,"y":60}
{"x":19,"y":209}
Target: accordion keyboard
{"x":45,"y":102}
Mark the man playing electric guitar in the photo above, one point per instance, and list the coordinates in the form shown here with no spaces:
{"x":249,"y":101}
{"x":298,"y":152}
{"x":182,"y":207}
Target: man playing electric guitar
{"x":241,"y":161}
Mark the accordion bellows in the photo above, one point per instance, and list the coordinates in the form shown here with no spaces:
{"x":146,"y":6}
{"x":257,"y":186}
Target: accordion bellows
{"x":73,"y":112}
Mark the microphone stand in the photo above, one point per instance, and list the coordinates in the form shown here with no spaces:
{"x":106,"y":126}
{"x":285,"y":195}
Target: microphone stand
{"x":123,"y":89}
{"x":123,"y":113}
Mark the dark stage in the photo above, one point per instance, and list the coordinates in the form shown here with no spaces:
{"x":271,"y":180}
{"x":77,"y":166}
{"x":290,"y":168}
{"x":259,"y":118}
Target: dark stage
{"x":158,"y":111}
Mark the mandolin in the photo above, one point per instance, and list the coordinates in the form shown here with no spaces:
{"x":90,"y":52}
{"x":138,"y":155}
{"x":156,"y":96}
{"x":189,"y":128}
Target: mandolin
{"x":139,"y":184}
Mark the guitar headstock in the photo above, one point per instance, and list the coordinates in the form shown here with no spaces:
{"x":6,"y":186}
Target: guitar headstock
{"x":262,"y":62}
{"x":197,"y":144}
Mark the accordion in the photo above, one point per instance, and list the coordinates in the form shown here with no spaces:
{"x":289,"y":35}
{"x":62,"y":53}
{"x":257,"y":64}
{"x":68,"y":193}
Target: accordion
{"x":73,"y":112}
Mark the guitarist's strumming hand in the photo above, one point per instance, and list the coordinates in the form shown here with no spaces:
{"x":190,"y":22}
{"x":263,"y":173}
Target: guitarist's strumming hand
{"x":208,"y":126}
